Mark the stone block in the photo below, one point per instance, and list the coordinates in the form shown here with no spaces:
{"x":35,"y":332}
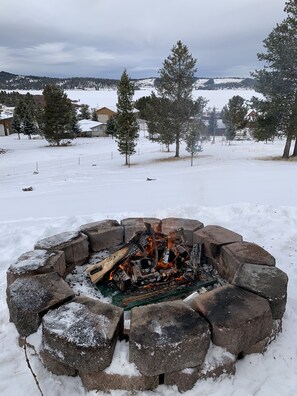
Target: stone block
{"x":134,"y":224}
{"x":29,"y":298}
{"x":75,"y":246}
{"x":103,"y":234}
{"x":55,"y":366}
{"x":167,"y":337}
{"x":36,"y":262}
{"x":268,"y":282}
{"x":235,"y":254}
{"x":238,"y":318}
{"x":189,"y":226}
{"x":213,"y":237}
{"x":183,"y":379}
{"x":217,"y":362}
{"x":261,"y":346}
{"x":119,"y":375}
{"x":82,"y":334}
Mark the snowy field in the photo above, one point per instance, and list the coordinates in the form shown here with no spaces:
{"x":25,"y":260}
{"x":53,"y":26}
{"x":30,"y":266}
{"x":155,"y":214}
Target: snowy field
{"x":228,"y":185}
{"x":97,"y":99}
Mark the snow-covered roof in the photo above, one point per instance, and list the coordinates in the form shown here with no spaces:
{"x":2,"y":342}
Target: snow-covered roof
{"x":87,"y":125}
{"x":114,"y":108}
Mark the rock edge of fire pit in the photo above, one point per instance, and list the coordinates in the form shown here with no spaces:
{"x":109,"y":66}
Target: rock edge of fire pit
{"x":174,"y":342}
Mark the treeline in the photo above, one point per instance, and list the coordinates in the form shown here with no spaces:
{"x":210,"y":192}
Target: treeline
{"x":12,"y":81}
{"x":15,"y":82}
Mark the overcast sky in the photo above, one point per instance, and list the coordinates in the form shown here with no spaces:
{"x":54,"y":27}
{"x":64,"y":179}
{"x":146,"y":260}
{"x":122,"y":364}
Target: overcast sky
{"x":100,"y":38}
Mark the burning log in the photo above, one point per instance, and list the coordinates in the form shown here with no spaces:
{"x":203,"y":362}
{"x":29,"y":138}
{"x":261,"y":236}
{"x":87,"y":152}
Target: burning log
{"x":97,"y":271}
{"x":122,"y":280}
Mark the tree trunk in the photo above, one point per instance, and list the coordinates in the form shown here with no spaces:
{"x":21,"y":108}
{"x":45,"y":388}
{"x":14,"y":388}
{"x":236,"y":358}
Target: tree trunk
{"x":192,"y":155}
{"x":286,"y":152}
{"x":177,"y":145}
{"x":295,"y":149}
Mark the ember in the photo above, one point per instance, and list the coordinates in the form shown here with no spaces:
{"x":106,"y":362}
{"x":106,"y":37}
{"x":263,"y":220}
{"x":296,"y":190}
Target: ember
{"x":150,"y":265}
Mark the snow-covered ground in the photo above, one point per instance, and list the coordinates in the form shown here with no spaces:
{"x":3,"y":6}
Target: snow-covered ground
{"x":97,"y":99}
{"x":228,"y":185}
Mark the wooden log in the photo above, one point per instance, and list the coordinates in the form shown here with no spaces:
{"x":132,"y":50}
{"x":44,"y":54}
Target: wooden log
{"x":97,"y":271}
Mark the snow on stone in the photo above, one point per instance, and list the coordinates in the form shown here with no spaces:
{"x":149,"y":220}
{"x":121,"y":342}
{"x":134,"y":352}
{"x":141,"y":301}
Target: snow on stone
{"x":58,"y":239}
{"x":120,"y":362}
{"x":74,"y":322}
{"x":214,"y":356}
{"x":30,"y":261}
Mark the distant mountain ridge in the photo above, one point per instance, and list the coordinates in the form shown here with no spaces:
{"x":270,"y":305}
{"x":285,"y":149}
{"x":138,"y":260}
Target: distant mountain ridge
{"x":11,"y":81}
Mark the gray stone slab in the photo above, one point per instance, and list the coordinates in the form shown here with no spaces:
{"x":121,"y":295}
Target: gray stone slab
{"x":82,"y":334}
{"x":238,"y":318}
{"x":234,"y":255}
{"x":218,"y":362}
{"x":268,"y":282}
{"x":171,"y":224}
{"x":36,"y":262}
{"x":105,"y":381}
{"x":75,"y":246}
{"x":55,"y":366}
{"x":29,"y":298}
{"x":103,"y":234}
{"x":167,"y":337}
{"x":213,"y":237}
{"x":134,"y":224}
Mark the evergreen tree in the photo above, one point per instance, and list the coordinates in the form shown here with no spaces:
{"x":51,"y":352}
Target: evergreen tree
{"x":111,"y":126}
{"x":127,"y":127}
{"x":24,"y":119}
{"x":29,"y":127}
{"x":212,"y":123}
{"x":94,"y":115}
{"x":75,"y":128}
{"x":192,"y":139}
{"x":84,"y":112}
{"x":176,"y":84}
{"x":234,"y":116}
{"x":58,"y":116}
{"x":16,"y":125}
{"x":277,"y":81}
{"x":161,"y":129}
{"x":142,"y":104}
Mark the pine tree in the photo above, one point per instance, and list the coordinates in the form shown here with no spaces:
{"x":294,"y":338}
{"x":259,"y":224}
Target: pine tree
{"x":192,"y":139}
{"x":58,"y":116}
{"x":94,"y":115}
{"x":16,"y":124}
{"x":234,"y":116}
{"x":212,"y":123}
{"x":176,"y":84}
{"x":84,"y":112}
{"x":29,"y":126}
{"x":277,"y":81}
{"x":127,"y":127}
{"x":111,"y":126}
{"x":161,"y":129}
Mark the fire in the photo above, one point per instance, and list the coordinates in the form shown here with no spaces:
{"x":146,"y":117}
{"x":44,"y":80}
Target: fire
{"x":156,"y":259}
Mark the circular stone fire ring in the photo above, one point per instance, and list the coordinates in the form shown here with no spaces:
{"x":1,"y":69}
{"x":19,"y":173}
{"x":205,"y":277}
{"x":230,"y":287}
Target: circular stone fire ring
{"x":172,"y":342}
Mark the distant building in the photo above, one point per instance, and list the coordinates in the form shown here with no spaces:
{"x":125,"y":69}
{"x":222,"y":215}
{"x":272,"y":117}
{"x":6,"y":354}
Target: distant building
{"x":6,"y":116}
{"x":104,"y":113}
{"x":91,"y":128}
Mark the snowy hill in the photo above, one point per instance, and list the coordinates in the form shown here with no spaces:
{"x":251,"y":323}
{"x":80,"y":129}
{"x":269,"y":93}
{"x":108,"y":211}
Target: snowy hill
{"x":11,"y":81}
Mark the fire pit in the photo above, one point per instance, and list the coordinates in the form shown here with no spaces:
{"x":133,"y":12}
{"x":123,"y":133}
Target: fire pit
{"x":150,"y":268}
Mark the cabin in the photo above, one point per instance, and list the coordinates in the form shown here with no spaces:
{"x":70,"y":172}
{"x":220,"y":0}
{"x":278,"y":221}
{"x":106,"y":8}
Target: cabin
{"x":104,"y":113}
{"x":6,"y":116}
{"x":89,"y":128}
